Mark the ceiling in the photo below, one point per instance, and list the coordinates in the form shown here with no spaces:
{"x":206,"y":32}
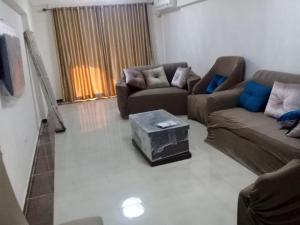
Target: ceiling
{"x":57,"y":3}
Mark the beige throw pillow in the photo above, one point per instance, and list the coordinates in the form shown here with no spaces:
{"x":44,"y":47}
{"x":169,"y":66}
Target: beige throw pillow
{"x":284,"y":98}
{"x":180,"y":77}
{"x":156,"y":78}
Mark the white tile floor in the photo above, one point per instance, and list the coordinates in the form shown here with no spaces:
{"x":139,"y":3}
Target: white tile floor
{"x":97,"y":169}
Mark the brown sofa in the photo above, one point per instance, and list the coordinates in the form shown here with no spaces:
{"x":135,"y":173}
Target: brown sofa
{"x":231,"y":66}
{"x":171,"y":99}
{"x":273,"y":199}
{"x":252,"y":139}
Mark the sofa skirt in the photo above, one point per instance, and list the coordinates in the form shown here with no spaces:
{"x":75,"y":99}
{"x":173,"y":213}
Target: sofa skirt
{"x":253,"y":156}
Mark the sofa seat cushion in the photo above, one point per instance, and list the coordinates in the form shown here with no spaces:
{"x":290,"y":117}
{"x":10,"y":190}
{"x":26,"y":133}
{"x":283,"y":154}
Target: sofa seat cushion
{"x":259,"y":129}
{"x":159,"y":91}
{"x":172,"y":99}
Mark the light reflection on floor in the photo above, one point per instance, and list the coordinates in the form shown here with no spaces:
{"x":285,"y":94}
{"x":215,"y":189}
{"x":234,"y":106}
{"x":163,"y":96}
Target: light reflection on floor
{"x":133,"y":207}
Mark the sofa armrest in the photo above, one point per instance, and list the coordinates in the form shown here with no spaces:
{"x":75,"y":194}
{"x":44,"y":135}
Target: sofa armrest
{"x":283,"y":185}
{"x":274,"y":197}
{"x":244,"y":215}
{"x":123,"y":92}
{"x":191,"y":81}
{"x":86,"y":221}
{"x":223,"y":100}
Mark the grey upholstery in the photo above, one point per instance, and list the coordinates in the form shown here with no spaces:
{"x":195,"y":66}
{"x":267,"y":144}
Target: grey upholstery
{"x":233,"y":67}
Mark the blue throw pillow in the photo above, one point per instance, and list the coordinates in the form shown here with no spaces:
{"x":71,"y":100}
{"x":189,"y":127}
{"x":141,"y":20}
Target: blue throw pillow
{"x":289,"y":119}
{"x":215,"y":83}
{"x":255,"y":96}
{"x":293,"y":115}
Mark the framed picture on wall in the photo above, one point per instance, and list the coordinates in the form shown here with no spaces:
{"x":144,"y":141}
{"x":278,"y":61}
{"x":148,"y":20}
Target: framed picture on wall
{"x":11,"y":65}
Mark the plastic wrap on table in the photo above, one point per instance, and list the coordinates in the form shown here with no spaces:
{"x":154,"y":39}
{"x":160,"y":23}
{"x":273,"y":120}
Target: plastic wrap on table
{"x":157,"y":143}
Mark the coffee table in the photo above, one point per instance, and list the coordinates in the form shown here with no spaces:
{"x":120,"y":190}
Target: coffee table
{"x":158,"y":145}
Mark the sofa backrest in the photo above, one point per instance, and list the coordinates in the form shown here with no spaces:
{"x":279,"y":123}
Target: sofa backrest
{"x":227,"y":65}
{"x":268,"y":78}
{"x":233,"y":67}
{"x":170,"y":68}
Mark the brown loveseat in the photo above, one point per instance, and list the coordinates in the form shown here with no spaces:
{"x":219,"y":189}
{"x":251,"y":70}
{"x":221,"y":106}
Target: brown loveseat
{"x":253,"y":139}
{"x":171,"y":99}
{"x":233,"y":67}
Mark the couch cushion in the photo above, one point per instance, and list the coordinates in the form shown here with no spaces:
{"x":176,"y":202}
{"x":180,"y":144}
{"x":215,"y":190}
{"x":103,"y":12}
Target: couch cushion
{"x":135,"y":78}
{"x":289,"y":119}
{"x":159,"y":91}
{"x":171,"y":99}
{"x":284,"y":98}
{"x":254,"y":97}
{"x":215,"y":82}
{"x":180,"y":78}
{"x":169,"y":68}
{"x":259,"y":129}
{"x":292,"y":115}
{"x":156,"y":78}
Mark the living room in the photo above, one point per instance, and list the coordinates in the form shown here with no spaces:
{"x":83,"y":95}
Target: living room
{"x":169,"y":112}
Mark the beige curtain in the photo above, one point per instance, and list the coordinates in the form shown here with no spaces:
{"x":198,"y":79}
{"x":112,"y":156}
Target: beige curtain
{"x":95,"y":43}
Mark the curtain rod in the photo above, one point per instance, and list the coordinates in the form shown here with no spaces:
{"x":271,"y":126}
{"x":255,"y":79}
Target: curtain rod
{"x":49,"y":7}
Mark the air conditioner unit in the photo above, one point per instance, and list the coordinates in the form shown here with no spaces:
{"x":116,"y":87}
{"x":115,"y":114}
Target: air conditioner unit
{"x":165,"y":6}
{"x":162,"y":6}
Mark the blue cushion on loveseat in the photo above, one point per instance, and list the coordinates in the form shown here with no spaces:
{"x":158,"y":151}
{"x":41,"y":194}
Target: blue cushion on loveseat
{"x":215,"y":83}
{"x":255,"y":96}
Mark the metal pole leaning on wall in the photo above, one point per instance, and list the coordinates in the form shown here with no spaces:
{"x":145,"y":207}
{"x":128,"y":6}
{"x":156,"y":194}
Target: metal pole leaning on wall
{"x":44,"y":81}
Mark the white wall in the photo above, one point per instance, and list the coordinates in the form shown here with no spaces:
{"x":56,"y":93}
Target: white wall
{"x":46,"y":41}
{"x":19,"y":117}
{"x":265,"y":32}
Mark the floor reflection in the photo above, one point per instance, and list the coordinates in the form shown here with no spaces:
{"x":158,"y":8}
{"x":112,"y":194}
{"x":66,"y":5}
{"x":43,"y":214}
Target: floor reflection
{"x":92,"y":116}
{"x":133,"y":207}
